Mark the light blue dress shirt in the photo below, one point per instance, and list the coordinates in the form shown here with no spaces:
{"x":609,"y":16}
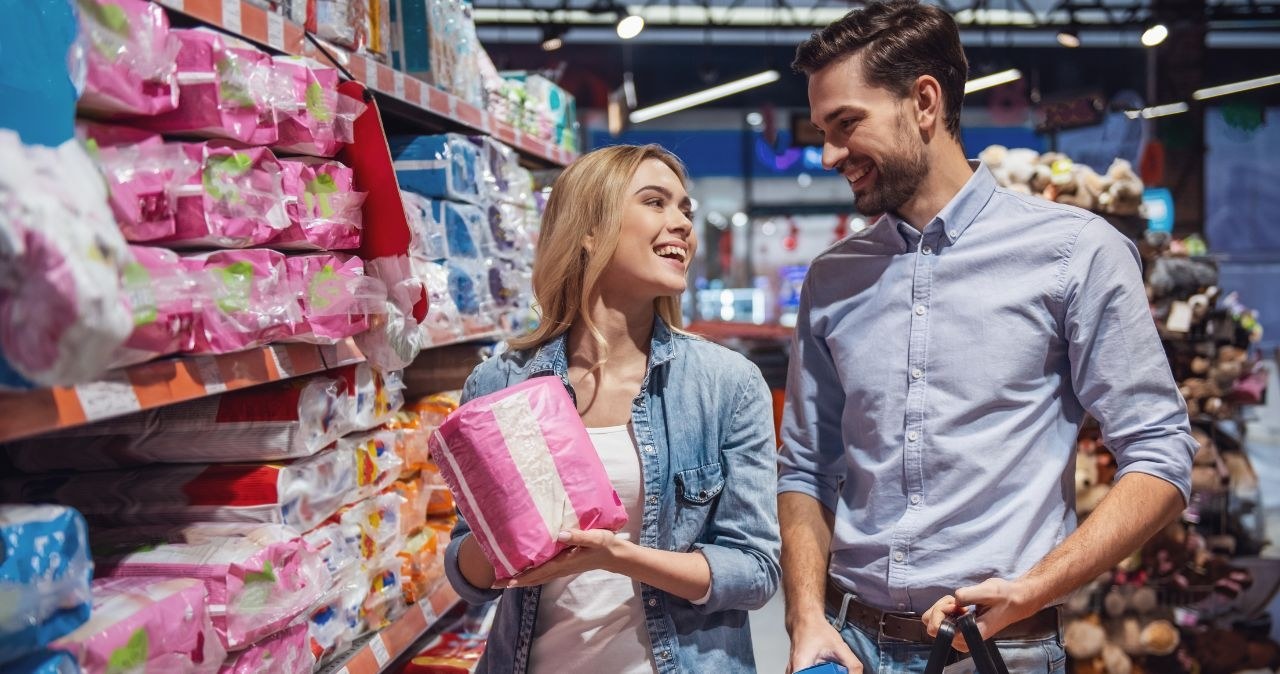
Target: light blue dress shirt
{"x":938,"y":381}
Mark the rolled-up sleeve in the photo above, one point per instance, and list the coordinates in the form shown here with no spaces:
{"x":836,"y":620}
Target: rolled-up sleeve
{"x":743,"y":544}
{"x":812,"y":456}
{"x":469,"y":593}
{"x":1118,"y":365}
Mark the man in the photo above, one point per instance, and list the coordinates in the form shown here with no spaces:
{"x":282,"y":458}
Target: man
{"x":944,"y":358}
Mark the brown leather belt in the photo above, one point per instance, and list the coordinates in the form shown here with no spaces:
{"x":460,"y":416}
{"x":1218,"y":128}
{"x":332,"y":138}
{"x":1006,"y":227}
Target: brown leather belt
{"x":908,"y":627}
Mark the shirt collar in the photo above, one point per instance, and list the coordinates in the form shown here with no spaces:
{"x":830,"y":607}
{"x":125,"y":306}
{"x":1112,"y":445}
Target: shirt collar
{"x":960,"y":212}
{"x":552,"y":359}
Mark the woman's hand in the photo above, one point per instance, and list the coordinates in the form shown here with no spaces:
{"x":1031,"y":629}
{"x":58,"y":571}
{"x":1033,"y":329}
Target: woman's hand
{"x":592,"y":549}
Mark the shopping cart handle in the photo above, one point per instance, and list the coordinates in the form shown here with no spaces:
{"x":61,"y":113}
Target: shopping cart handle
{"x":986,"y":657}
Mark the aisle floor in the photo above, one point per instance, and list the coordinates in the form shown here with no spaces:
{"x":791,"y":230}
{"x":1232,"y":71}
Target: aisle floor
{"x":1263,"y":441}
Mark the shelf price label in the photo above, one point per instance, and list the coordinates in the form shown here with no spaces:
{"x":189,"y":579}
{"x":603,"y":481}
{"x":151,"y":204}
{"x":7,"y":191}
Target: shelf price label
{"x":379,"y":650}
{"x":231,"y":15}
{"x":275,"y":30}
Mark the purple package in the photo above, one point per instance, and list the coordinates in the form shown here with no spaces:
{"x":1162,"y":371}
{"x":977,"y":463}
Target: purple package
{"x":522,"y":468}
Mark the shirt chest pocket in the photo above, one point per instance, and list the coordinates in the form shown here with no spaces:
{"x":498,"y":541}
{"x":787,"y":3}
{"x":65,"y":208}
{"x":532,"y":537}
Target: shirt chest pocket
{"x":697,"y":490}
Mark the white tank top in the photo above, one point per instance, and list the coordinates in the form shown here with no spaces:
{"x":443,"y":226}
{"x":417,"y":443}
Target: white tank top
{"x":594,"y":621}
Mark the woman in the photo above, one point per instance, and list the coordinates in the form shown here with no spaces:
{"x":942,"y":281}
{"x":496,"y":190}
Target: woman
{"x":682,"y":425}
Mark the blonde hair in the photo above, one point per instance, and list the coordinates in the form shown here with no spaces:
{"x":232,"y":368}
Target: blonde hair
{"x":586,"y":201}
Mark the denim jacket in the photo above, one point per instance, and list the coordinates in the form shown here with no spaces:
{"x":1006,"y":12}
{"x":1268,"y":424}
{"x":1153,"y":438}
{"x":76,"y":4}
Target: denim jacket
{"x":703,"y":423}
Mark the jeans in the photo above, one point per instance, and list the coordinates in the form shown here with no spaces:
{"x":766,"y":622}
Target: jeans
{"x":887,"y":656}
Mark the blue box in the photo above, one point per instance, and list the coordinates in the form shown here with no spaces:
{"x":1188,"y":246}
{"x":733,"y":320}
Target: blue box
{"x":825,"y":668}
{"x":445,"y":166}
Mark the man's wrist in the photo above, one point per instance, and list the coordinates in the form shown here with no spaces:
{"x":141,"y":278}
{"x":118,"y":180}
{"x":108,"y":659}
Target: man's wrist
{"x":1031,"y":592}
{"x":801,"y":618}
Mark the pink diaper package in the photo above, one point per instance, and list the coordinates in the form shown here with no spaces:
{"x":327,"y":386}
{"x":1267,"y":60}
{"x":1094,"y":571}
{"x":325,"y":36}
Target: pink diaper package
{"x":522,"y":469}
{"x":145,"y":178}
{"x":227,"y":89}
{"x":257,"y":583}
{"x":129,"y":58}
{"x":323,"y":207}
{"x":285,"y":652}
{"x":146,"y":624}
{"x":233,"y":200}
{"x":334,"y":295}
{"x":251,"y":301}
{"x":163,"y":297}
{"x":314,"y":119}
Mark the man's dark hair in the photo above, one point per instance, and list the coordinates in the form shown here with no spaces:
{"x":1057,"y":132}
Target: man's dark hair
{"x":899,"y":41}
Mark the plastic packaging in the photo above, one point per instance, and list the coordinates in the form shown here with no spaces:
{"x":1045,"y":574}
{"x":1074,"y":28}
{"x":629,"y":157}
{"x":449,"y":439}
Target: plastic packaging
{"x":282,"y":420}
{"x":300,"y":493}
{"x":44,"y":662}
{"x":129,"y":58}
{"x":522,"y":468}
{"x":315,"y":119}
{"x":323,"y":207}
{"x":252,"y":301}
{"x":443,"y":323}
{"x":227,"y":89}
{"x":394,"y":339}
{"x":257,"y":583}
{"x":340,"y":21}
{"x":335,"y":297}
{"x":62,"y":313}
{"x":146,"y":624}
{"x":45,"y":571}
{"x":163,"y":297}
{"x":444,"y":166}
{"x":466,"y":229}
{"x":427,"y":234}
{"x":422,"y":565}
{"x":145,"y":178}
{"x":285,"y":652}
{"x":377,"y":465}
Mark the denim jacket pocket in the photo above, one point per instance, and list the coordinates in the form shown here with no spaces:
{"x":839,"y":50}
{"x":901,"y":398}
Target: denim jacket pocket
{"x":700,"y":486}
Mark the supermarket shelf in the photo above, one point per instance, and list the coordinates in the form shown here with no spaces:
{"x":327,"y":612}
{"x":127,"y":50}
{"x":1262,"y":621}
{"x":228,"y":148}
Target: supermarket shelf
{"x":373,"y":652}
{"x":163,"y":382}
{"x":272,"y":30}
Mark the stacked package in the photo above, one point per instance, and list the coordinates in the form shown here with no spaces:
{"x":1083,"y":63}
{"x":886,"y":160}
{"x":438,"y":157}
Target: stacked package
{"x":212,"y":216}
{"x":275,"y":525}
{"x":435,"y":41}
{"x":534,"y":105}
{"x":362,"y":26}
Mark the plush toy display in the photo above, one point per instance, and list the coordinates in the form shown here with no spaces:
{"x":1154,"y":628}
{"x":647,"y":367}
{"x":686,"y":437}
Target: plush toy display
{"x":1054,"y":176}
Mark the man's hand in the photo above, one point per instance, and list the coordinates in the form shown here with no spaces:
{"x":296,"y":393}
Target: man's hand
{"x":1000,"y":603}
{"x":817,"y":641}
{"x":594,"y":549}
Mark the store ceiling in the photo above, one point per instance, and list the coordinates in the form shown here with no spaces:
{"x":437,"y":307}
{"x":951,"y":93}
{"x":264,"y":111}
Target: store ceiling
{"x":688,"y":45}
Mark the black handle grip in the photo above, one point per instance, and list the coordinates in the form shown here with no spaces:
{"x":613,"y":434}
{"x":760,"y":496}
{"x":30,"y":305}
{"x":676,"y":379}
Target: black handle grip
{"x":986,"y":657}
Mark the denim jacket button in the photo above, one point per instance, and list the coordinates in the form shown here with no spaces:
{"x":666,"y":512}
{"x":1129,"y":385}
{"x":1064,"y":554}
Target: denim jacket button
{"x":653,"y":602}
{"x":666,"y":655}
{"x":652,"y":500}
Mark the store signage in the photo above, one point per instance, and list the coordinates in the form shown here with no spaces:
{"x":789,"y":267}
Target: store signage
{"x":1157,"y":208}
{"x":1070,"y":113}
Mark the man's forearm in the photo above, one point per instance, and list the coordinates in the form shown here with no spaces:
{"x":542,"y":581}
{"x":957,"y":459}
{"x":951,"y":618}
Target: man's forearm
{"x":1137,"y":507}
{"x":806,"y":545}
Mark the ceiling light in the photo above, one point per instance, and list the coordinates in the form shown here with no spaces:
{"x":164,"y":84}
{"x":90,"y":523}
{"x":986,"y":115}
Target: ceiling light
{"x":1235,"y":87}
{"x":1158,"y":111}
{"x":553,"y":37}
{"x":630,"y":26}
{"x":992,"y":80}
{"x":1154,"y":35}
{"x":704,"y":96}
{"x":1069,"y":38}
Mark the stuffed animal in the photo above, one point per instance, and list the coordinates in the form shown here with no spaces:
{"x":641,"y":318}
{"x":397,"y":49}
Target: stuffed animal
{"x":1123,"y":195}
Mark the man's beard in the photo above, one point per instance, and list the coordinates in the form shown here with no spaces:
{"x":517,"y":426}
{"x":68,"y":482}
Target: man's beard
{"x":897,"y":180}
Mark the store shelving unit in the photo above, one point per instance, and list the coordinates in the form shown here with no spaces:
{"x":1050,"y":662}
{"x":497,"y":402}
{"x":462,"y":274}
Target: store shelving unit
{"x":405,"y":96}
{"x":374,"y":652}
{"x":164,"y":382}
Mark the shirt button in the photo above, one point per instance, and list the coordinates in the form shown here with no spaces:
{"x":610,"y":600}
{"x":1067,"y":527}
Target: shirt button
{"x":913,"y":436}
{"x":652,"y":500}
{"x":653,"y":602}
{"x":953,"y":234}
{"x":915,"y":499}
{"x":902,"y":606}
{"x":917,"y":373}
{"x":898,"y":556}
{"x":666,"y":655}
{"x":927,"y":250}
{"x":919,"y":309}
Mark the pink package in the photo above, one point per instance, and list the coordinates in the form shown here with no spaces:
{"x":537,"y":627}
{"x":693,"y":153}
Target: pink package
{"x":143,"y":178}
{"x":227,"y":89}
{"x":314,"y":119}
{"x":522,"y":469}
{"x":146,"y":624}
{"x":257,"y":583}
{"x":323,"y":207}
{"x":250,"y":300}
{"x":285,"y":652}
{"x":233,"y":199}
{"x":162,"y":296}
{"x":334,"y":296}
{"x":129,"y":58}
